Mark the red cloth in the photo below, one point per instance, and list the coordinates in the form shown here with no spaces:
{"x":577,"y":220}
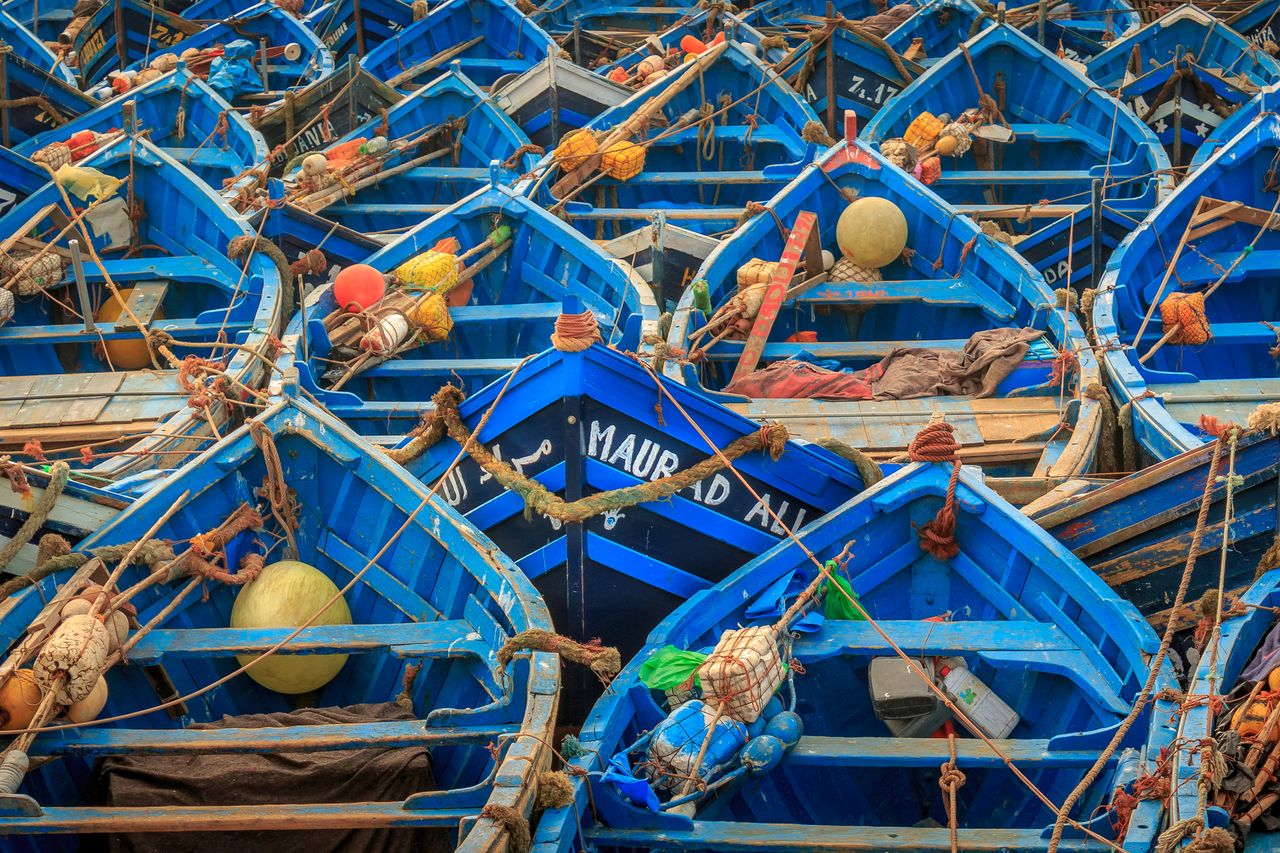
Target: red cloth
{"x":801,"y":380}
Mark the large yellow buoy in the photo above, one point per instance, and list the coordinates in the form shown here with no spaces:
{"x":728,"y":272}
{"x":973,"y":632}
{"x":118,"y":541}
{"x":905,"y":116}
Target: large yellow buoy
{"x":129,"y":353}
{"x":872,"y":232}
{"x":285,"y":595}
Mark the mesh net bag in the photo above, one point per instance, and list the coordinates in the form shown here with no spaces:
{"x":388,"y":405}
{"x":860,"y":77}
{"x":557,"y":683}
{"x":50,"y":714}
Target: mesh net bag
{"x":743,"y":672}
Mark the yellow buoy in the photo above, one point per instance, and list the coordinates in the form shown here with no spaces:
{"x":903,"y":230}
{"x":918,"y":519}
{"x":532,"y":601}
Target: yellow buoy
{"x":623,"y":160}
{"x":285,"y":595}
{"x":872,"y":232}
{"x":129,"y":353}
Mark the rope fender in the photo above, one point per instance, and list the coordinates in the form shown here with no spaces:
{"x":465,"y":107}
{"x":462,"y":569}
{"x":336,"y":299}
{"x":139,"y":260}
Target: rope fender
{"x":603,"y":660}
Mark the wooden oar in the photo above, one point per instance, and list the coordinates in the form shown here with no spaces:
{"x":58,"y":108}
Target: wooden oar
{"x":434,"y":62}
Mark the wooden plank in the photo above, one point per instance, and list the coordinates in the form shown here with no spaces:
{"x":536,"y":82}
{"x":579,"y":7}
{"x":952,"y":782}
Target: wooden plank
{"x":840,"y":638}
{"x":820,"y":751}
{"x":258,"y":818}
{"x":226,"y":741}
{"x":449,"y":638}
{"x":752,"y":837}
{"x":803,"y":238}
{"x":22,"y":230}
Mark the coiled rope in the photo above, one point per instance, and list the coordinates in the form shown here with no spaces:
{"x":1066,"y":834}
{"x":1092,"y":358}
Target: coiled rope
{"x":936,"y":443}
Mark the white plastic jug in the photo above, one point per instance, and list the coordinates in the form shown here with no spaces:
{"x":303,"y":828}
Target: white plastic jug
{"x":987,"y":710}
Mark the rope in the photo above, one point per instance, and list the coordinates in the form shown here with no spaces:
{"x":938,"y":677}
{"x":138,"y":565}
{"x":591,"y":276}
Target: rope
{"x":936,"y":443}
{"x":245,"y":247}
{"x":814,"y":132}
{"x":151,"y":554}
{"x":513,"y":821}
{"x":404,"y":698}
{"x":576,"y":332}
{"x":58,"y":476}
{"x":951,"y":781}
{"x":274,"y":488}
{"x":446,"y":420}
{"x":1157,"y":663}
{"x":867,"y":468}
{"x":604,"y":661}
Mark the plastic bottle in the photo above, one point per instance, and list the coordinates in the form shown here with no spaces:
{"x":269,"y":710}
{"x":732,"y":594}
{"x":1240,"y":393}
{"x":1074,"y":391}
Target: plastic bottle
{"x":987,"y":710}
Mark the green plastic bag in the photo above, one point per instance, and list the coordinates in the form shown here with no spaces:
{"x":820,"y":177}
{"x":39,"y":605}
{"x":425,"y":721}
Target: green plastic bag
{"x":840,"y":606}
{"x":669,"y":667}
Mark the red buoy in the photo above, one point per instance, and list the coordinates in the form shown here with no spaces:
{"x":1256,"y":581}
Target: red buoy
{"x":358,"y":287}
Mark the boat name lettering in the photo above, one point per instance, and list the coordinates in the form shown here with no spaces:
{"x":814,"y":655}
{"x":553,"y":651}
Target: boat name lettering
{"x":861,"y":89}
{"x":1056,"y":272}
{"x":332,"y":38}
{"x":6,"y":199}
{"x":167,"y":35}
{"x":96,"y":42}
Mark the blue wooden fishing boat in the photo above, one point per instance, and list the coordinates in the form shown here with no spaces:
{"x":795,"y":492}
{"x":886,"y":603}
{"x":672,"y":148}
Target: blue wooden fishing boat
{"x":181,"y":115}
{"x":419,"y":726}
{"x":1136,"y":532}
{"x":518,"y":263}
{"x":1184,"y":310}
{"x":792,"y":13}
{"x":697,"y":144}
{"x":706,"y":26}
{"x":565,"y":17}
{"x":356,"y":27}
{"x":667,"y":256}
{"x":1253,"y":19}
{"x":83,"y":382}
{"x":36,"y":96}
{"x":299,"y":233}
{"x":26,"y":47}
{"x":270,"y":50}
{"x":306,"y":119}
{"x":1028,"y":419}
{"x":19,"y":178}
{"x":436,"y":147}
{"x":1234,"y":670}
{"x":862,"y":70}
{"x":1054,"y":165}
{"x":1080,"y":29}
{"x":555,"y":97}
{"x":1183,"y":74}
{"x":1228,"y":128}
{"x":1005,"y":613}
{"x":587,"y":424}
{"x":45,"y":18}
{"x":488,"y":39}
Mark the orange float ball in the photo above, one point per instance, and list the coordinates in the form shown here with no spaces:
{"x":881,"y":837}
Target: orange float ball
{"x":358,"y":287}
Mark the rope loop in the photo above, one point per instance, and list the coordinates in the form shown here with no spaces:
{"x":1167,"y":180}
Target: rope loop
{"x":576,"y":332}
{"x":604,"y":661}
{"x":951,"y":781}
{"x":935,"y":442}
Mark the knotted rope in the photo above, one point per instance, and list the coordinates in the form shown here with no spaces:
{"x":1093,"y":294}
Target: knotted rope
{"x":951,"y":781}
{"x":814,"y":132}
{"x":576,"y":332}
{"x":936,"y":443}
{"x":313,"y":262}
{"x":555,"y":791}
{"x":603,"y":660}
{"x":404,"y":698}
{"x":39,"y":514}
{"x":513,"y":821}
{"x":274,"y":488}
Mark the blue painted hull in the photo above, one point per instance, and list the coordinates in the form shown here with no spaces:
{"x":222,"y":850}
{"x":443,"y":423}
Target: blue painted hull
{"x":1217,"y":676}
{"x":509,"y":314}
{"x":414,"y":569}
{"x":1136,"y":532}
{"x":194,"y":292}
{"x":140,"y":33}
{"x":1028,"y":619}
{"x":451,"y":117}
{"x":1233,"y":372}
{"x":560,"y":16}
{"x":1064,"y":141}
{"x":355,"y":27}
{"x":702,"y":180}
{"x":555,"y":97}
{"x":957,"y":282}
{"x":331,"y":107}
{"x":1229,"y":128}
{"x":197,"y":143}
{"x":1226,"y":70}
{"x":499,"y":41}
{"x":582,"y":423}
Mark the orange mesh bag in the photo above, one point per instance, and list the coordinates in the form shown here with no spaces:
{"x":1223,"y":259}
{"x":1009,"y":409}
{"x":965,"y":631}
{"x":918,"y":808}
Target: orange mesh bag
{"x":1186,"y":310}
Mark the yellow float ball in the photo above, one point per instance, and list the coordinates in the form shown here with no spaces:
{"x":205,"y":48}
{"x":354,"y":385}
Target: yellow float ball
{"x":129,"y":353}
{"x":285,"y":595}
{"x":946,"y":144}
{"x":872,"y":232}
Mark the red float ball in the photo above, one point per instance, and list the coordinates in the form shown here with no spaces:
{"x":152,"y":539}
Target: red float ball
{"x":358,"y":287}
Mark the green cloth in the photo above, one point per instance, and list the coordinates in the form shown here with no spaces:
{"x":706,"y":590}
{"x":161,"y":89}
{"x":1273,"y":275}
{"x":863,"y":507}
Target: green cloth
{"x":669,"y":667}
{"x":840,"y":606}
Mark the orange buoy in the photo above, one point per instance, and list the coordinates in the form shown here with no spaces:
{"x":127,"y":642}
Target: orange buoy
{"x":693,"y":44}
{"x":130,"y":353}
{"x":358,"y":288}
